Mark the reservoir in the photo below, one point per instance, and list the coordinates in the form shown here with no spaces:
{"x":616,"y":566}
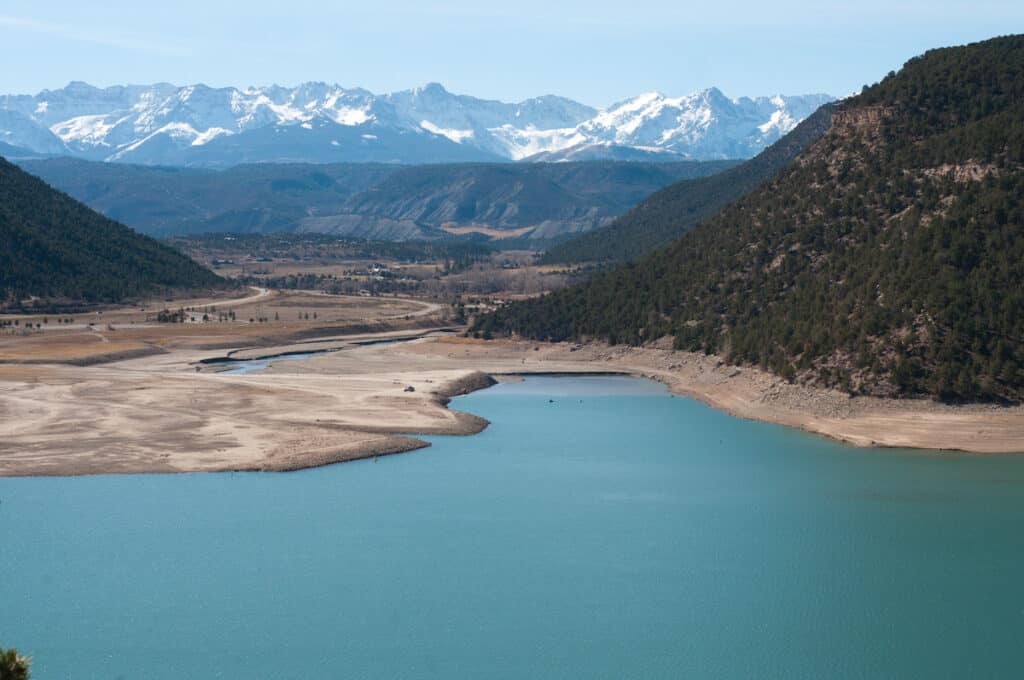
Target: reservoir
{"x":599,"y":528}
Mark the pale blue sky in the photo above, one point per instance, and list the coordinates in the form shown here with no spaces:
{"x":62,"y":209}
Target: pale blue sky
{"x":597,"y":52}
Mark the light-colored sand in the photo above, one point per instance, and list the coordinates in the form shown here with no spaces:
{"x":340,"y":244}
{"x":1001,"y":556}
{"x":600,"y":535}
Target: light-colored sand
{"x":158,"y":414}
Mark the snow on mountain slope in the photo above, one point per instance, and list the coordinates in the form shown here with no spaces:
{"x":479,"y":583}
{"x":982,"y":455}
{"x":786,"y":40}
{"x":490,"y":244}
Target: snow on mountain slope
{"x":19,"y":130}
{"x":604,"y":151}
{"x":200,"y":125}
{"x":703,"y":125}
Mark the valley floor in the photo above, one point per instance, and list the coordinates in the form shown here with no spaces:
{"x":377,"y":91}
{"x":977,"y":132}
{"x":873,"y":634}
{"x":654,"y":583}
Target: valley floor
{"x":169,"y":412}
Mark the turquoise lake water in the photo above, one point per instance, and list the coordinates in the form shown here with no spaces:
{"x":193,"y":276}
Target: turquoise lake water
{"x":599,"y":528}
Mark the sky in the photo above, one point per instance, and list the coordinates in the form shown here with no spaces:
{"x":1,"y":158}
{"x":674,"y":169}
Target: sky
{"x":596,"y":52}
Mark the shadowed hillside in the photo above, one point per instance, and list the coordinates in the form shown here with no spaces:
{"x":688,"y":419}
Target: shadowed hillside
{"x":53,"y":247}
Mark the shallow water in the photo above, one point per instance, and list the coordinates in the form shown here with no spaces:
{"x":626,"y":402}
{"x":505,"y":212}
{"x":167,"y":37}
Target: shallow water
{"x":598,"y":528}
{"x":246,"y":366}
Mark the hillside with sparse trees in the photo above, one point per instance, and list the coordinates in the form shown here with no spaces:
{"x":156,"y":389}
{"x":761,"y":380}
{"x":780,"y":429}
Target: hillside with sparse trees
{"x":888,"y":259}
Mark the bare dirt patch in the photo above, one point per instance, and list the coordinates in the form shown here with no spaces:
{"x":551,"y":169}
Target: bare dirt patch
{"x":461,"y":230}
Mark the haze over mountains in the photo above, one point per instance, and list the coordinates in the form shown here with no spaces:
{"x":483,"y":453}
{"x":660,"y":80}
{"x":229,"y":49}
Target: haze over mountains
{"x":316,"y":122}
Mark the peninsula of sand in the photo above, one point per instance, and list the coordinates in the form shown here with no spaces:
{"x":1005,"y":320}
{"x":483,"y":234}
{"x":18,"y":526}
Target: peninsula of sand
{"x":161,"y":403}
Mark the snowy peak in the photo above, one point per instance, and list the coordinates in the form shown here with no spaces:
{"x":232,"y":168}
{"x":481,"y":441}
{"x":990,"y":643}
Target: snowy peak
{"x":166,"y":124}
{"x":702,"y":125}
{"x":17,"y":129}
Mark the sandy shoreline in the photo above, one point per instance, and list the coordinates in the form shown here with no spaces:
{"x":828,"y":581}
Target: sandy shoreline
{"x":169,"y":412}
{"x":757,"y":395}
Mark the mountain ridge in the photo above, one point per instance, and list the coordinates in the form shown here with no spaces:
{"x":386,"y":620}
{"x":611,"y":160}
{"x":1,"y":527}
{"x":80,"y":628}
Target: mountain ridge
{"x":672,"y":211}
{"x":164,"y":124}
{"x":381,"y":201}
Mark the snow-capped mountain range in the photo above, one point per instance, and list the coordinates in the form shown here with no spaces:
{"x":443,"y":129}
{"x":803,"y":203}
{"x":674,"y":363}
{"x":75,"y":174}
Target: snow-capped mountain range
{"x":317,"y":122}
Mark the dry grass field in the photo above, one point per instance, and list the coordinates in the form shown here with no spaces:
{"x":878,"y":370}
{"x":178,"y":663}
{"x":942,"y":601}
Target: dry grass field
{"x":255,"y":317}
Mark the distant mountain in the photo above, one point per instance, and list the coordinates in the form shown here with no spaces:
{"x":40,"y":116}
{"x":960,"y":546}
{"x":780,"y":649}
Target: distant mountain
{"x":379,"y":201}
{"x":56,"y":249}
{"x":19,"y":153}
{"x":703,"y":125}
{"x":315,"y":122}
{"x":22,"y":132}
{"x":165,"y":201}
{"x":887,"y":259}
{"x":604,"y":151}
{"x":669,"y":213}
{"x":538,"y":200}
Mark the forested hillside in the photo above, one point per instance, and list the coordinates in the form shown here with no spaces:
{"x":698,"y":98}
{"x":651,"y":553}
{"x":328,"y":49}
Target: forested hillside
{"x":671,"y":212}
{"x":53,"y":247}
{"x":888,"y":259}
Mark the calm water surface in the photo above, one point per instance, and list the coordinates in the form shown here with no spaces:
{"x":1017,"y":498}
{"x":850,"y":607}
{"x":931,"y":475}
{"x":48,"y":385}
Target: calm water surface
{"x":246,"y":366}
{"x":599,"y":528}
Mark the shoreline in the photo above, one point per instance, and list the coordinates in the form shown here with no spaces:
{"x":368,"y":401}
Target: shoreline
{"x":169,"y":412}
{"x":677,"y":390}
{"x":372,"y":442}
{"x":753,"y":394}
